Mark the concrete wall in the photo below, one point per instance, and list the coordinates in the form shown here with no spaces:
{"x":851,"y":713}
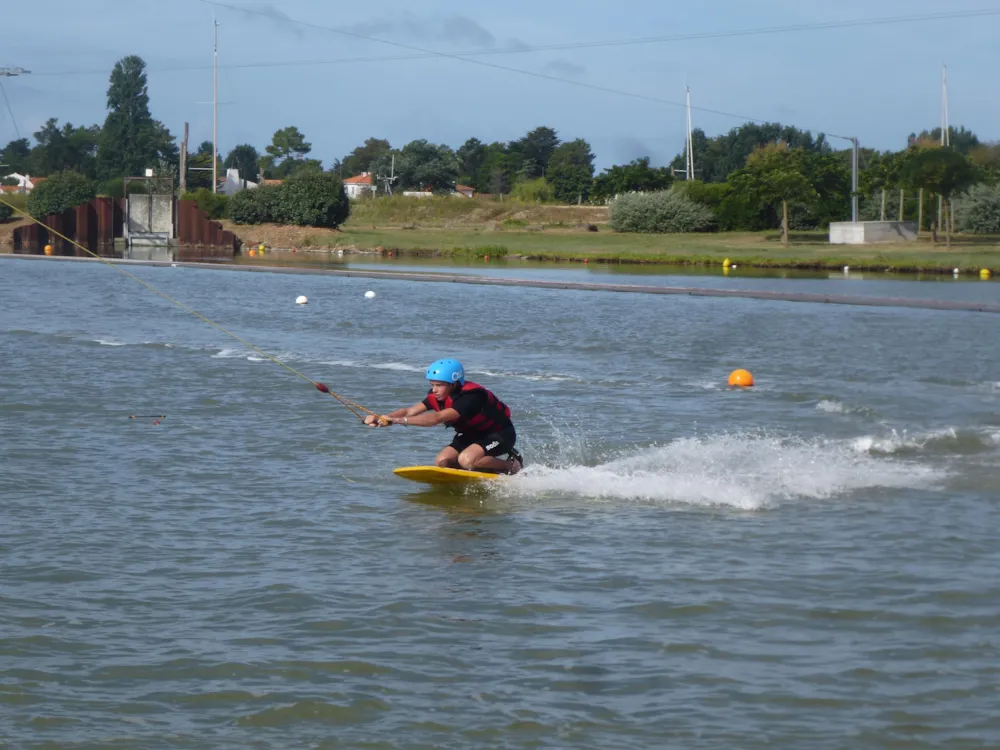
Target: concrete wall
{"x":141,"y":221}
{"x":867,"y":232}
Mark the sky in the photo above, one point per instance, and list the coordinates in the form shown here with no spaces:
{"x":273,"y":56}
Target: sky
{"x":326,"y":67}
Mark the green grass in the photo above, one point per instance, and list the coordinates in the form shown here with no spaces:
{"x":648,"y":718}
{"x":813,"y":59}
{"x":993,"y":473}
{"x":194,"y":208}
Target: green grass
{"x":807,"y":250}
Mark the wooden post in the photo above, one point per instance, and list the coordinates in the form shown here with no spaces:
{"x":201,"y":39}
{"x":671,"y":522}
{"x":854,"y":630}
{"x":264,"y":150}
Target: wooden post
{"x":902,"y":203}
{"x":882,"y":214}
{"x":184,"y":161}
{"x":920,"y":212}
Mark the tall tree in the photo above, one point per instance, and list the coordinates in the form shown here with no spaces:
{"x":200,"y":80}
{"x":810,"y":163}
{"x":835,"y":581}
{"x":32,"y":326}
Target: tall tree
{"x":716,"y":158}
{"x":128,"y":142}
{"x":571,"y":171}
{"x":67,"y":148}
{"x":495,"y":175}
{"x":363,"y":157}
{"x":536,"y":149}
{"x":471,"y":156}
{"x":943,"y":172}
{"x":636,"y":176}
{"x":961,"y":140}
{"x":15,"y":156}
{"x":427,"y":166}
{"x":776,"y":174}
{"x":246,"y":159}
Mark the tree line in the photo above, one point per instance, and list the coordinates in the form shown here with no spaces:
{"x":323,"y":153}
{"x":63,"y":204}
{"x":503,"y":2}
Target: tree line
{"x":756,"y":176}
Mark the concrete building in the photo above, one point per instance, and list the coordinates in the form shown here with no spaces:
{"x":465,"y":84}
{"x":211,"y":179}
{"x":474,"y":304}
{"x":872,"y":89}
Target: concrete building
{"x":359,"y":185}
{"x":866,"y":232}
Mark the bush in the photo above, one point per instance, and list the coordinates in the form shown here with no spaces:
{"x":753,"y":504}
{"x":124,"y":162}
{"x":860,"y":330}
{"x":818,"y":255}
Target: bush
{"x":5,"y":211}
{"x":979,"y":210}
{"x":60,"y":192}
{"x":113,"y":188}
{"x":661,"y":212}
{"x":255,"y":206}
{"x":708,"y":194}
{"x":315,"y":200}
{"x":216,"y":205}
{"x":532,"y":191}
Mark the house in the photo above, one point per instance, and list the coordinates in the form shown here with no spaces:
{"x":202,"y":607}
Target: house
{"x":359,"y":185}
{"x":465,"y":190}
{"x":25,"y":183}
{"x":231,"y":184}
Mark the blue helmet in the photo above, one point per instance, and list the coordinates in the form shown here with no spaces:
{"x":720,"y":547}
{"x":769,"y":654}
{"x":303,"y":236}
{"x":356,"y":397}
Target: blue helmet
{"x":447,"y":371}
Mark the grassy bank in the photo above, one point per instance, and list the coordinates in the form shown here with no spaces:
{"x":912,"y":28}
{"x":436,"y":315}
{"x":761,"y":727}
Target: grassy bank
{"x":807,"y":250}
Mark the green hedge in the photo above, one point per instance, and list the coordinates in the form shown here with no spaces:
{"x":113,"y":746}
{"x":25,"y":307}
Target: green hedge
{"x":666,"y":211}
{"x":216,"y":205}
{"x":316,"y":200}
{"x":5,"y":212}
{"x":60,"y":192}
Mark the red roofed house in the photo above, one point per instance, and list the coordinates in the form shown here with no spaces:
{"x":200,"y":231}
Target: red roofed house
{"x":465,"y":190}
{"x":359,"y":185}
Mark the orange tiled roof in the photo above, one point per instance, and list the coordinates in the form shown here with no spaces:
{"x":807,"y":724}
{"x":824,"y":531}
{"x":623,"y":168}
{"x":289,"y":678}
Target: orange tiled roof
{"x":359,"y":179}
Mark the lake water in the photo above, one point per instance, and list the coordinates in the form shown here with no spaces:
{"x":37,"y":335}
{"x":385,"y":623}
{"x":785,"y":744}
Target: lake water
{"x":809,"y":563}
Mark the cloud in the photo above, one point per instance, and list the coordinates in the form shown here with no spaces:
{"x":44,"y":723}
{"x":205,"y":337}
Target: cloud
{"x":262,"y":11}
{"x":462,"y":30}
{"x":456,"y":30}
{"x":564,"y":68}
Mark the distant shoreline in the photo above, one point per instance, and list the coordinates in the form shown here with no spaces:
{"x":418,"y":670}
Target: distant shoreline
{"x":564,"y":285}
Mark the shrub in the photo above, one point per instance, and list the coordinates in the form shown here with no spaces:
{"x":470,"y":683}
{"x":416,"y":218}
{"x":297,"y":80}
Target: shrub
{"x":314,"y":200}
{"x":661,"y":212}
{"x":216,"y":205}
{"x":255,"y":206}
{"x":979,"y":210}
{"x":708,"y":194}
{"x":60,"y":192}
{"x":5,"y":211}
{"x":532,"y":191}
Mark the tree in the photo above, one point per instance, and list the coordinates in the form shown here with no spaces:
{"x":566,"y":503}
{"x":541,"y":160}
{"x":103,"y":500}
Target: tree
{"x":66,"y":148}
{"x":130,"y":140}
{"x":363,"y":157}
{"x":60,"y":192}
{"x":716,"y":158}
{"x":571,"y":171}
{"x":495,"y":175}
{"x":961,"y":140}
{"x":287,"y":147}
{"x":943,"y":172}
{"x":471,"y":156}
{"x":536,"y":149}
{"x":199,"y":166}
{"x":427,"y":166}
{"x":533,"y":191}
{"x":636,"y":176}
{"x":774,"y":174}
{"x":15,"y":155}
{"x":246,"y":159}
{"x":981,"y":210}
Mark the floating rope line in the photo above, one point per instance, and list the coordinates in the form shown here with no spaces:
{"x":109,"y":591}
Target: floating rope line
{"x":357,"y":409}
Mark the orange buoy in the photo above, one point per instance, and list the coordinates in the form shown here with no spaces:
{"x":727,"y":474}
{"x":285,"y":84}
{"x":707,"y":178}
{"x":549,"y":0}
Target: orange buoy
{"x":48,"y":249}
{"x":253,"y":253}
{"x":740,"y":379}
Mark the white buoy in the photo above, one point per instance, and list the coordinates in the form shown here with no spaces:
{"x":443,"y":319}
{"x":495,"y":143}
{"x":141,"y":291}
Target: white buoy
{"x":302,"y":300}
{"x":370,"y":295}
{"x":847,"y":269}
{"x":733,"y":266}
{"x":956,"y":272}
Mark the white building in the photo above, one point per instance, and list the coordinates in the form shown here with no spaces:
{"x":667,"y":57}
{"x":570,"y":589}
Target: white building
{"x":25,"y":183}
{"x":359,"y":185}
{"x":231,"y":184}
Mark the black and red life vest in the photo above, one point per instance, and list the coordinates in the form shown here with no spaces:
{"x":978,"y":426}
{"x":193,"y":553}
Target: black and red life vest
{"x":493,"y":418}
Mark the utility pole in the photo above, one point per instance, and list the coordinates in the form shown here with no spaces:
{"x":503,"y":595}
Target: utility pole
{"x":855,"y":162}
{"x":184,"y":160}
{"x":690,"y":139}
{"x":945,"y":135}
{"x":215,"y":113}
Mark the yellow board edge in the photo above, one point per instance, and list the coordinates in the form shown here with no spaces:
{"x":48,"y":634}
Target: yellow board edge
{"x":439,"y":475}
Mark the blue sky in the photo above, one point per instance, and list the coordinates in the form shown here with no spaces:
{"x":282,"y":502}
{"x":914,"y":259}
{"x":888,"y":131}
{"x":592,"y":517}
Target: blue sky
{"x":879,"y":82}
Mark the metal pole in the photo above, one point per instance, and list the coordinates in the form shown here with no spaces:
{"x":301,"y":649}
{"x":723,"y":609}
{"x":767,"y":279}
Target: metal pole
{"x":215,"y":114}
{"x":854,"y":181}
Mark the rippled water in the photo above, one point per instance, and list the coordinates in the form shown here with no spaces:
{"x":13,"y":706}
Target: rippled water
{"x":811,"y":563}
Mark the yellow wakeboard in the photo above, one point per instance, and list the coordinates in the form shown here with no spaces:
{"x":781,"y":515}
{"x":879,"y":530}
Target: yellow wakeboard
{"x":439,"y":475}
